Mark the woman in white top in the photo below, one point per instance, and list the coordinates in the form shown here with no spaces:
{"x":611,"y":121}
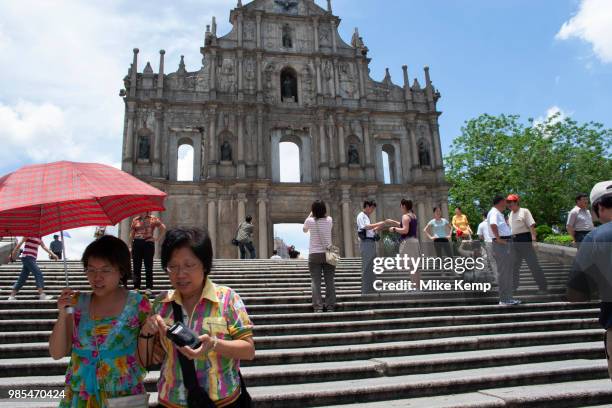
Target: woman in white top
{"x":439,"y":231}
{"x":320,"y":226}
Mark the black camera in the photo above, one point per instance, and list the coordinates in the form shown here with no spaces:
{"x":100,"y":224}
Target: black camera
{"x":182,"y":335}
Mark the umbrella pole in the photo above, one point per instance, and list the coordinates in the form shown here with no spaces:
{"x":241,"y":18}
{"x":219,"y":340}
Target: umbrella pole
{"x":64,"y":258}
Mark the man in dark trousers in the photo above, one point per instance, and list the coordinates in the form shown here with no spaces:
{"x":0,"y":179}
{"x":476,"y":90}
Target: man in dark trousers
{"x":56,"y":247}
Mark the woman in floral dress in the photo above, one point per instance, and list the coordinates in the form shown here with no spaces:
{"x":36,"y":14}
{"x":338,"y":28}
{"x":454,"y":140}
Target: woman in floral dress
{"x":102,"y":334}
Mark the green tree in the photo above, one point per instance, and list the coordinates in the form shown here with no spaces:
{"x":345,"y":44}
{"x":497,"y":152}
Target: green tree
{"x":545,"y":163}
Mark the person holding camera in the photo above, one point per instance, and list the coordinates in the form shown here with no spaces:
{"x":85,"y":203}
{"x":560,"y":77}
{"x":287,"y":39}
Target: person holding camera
{"x":320,"y":227}
{"x":101,"y":335}
{"x":202,"y":329}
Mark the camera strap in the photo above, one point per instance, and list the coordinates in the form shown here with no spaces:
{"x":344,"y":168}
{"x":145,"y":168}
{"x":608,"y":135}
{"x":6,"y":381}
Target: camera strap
{"x":194,"y":391}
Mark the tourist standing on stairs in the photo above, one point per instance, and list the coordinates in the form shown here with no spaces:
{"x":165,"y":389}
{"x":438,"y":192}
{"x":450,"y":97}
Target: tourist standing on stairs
{"x":439,"y":231}
{"x":57,"y":247}
{"x":407,"y":227}
{"x":28,"y":261}
{"x":244,"y":236}
{"x":142,"y":240}
{"x":320,"y":227}
{"x":502,"y":250}
{"x":592,"y":270}
{"x":462,"y":226}
{"x":579,"y":220}
{"x":101,"y":336}
{"x":368,"y":237}
{"x":524,"y":238}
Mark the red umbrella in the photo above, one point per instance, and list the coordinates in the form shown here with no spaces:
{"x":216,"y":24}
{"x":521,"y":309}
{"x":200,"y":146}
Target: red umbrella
{"x":44,"y":198}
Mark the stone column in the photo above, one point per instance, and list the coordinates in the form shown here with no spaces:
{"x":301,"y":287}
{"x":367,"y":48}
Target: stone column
{"x":405,"y":155}
{"x":134,"y":74}
{"x":407,"y":90}
{"x":333,"y":35}
{"x":261,"y":158}
{"x":259,"y":81}
{"x":360,"y":71}
{"x":212,"y":137}
{"x":315,"y":26}
{"x":213,"y":74}
{"x":240,"y":58}
{"x":435,"y":135}
{"x":444,"y":205}
{"x":370,"y":170}
{"x":157,"y":144}
{"x":263,"y":224}
{"x":258,"y":39}
{"x":342,"y":159}
{"x":323,"y":164}
{"x":160,"y":76}
{"x":336,"y":78}
{"x":240,"y":155}
{"x":330,"y":140}
{"x":318,"y":71}
{"x":212,"y":217}
{"x":128,"y":151}
{"x":411,"y":128}
{"x":346,"y":222}
{"x":239,"y":18}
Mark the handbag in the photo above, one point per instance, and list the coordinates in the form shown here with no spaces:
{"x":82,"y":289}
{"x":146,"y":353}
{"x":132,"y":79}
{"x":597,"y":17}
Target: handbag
{"x":130,"y":401}
{"x":332,"y":252}
{"x":196,"y":396}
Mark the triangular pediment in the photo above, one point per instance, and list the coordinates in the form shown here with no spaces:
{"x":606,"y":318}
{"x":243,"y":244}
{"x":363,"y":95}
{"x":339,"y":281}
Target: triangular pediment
{"x":288,"y":7}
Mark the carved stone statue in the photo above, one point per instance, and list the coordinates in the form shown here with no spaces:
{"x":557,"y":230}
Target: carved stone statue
{"x":353,"y":155}
{"x":287,"y":88}
{"x":287,"y":40}
{"x":424,"y":157}
{"x":226,"y":151}
{"x":144,"y":148}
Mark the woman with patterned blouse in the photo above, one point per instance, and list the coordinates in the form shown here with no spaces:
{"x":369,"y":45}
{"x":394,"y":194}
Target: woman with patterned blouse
{"x":214,"y":312}
{"x":101,"y":335}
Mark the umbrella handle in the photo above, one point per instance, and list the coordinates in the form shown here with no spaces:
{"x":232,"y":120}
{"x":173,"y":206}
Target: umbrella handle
{"x":69,"y":309}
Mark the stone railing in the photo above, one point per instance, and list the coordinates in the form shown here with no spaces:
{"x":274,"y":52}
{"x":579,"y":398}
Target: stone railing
{"x":556,"y":253}
{"x":6,"y":246}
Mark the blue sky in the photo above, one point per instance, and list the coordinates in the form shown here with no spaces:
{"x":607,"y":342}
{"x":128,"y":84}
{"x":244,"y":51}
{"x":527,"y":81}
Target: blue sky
{"x":62,"y":71}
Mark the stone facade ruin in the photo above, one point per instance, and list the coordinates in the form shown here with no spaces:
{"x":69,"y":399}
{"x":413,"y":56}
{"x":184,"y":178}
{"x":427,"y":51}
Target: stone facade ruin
{"x":282,"y":74}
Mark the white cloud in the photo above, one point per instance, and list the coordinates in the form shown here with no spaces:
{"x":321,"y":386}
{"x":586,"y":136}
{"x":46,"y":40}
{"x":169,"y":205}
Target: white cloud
{"x":62,"y":64}
{"x":593,"y":24}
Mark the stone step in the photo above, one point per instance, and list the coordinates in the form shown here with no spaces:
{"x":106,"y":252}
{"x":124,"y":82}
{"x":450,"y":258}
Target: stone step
{"x":558,"y":395}
{"x":287,"y":374}
{"x":419,"y":385}
{"x":343,"y":325}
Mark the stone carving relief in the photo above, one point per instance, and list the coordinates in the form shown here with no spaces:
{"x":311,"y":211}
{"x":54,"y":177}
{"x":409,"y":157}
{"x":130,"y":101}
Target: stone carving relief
{"x":250,"y":74}
{"x":328,"y":78}
{"x":270,"y":91}
{"x":270,"y":36}
{"x":307,"y":85}
{"x":227,"y":77}
{"x":348,"y":80}
{"x":249,"y":30}
{"x":325,"y":36}
{"x":287,"y":36}
{"x":202,"y":77}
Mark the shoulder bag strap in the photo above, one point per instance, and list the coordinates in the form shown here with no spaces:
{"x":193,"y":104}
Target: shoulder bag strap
{"x":188,"y":366}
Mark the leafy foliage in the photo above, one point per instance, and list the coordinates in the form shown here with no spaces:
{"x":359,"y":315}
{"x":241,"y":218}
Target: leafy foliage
{"x":547,"y":164}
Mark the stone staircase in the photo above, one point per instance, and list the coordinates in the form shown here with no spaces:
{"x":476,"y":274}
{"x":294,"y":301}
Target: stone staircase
{"x":428,"y":349}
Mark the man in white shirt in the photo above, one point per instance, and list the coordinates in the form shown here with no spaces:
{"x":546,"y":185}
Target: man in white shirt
{"x":502,"y":249}
{"x":484,"y":233}
{"x":524,"y":235}
{"x":579,"y":220}
{"x":367,"y":236}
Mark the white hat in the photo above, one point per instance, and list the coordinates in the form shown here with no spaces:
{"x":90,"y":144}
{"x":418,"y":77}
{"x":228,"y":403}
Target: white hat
{"x":601,"y":190}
